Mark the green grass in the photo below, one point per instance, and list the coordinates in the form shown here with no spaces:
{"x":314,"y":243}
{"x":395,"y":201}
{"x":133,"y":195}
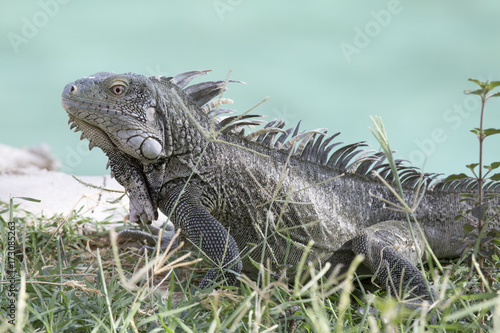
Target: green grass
{"x":76,"y":283}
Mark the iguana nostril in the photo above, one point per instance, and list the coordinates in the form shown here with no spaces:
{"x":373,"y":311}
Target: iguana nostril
{"x":73,"y":88}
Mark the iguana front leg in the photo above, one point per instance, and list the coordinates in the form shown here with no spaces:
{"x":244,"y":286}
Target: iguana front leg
{"x":391,"y":255}
{"x":183,"y":205}
{"x":130,"y":175}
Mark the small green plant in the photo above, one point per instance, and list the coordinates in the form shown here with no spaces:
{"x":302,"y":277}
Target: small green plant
{"x":482,"y":240}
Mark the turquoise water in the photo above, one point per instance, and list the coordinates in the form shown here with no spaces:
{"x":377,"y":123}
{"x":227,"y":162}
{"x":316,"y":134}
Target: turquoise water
{"x":331,"y":64}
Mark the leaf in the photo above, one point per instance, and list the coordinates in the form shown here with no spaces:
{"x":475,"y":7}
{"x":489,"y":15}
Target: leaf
{"x":456,"y":177}
{"x":468,"y":228}
{"x":472,"y":166}
{"x":495,"y":177}
{"x":29,"y":199}
{"x":495,"y":94}
{"x":479,"y":92}
{"x":491,"y":196}
{"x":485,"y":252}
{"x":472,"y":200}
{"x":494,"y":84}
{"x":493,"y":233}
{"x":476,"y":131}
{"x":491,"y":131}
{"x":492,"y":166}
{"x":479,"y":211}
{"x":479,"y":83}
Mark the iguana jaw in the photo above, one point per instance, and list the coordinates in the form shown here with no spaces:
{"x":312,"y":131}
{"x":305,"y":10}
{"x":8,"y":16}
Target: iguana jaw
{"x":110,"y":127}
{"x":96,"y":137}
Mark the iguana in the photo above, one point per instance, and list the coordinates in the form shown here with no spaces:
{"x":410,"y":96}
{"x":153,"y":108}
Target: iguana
{"x":243,"y":197}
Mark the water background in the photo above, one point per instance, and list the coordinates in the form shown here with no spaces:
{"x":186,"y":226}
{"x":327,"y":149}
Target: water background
{"x":331,"y":64}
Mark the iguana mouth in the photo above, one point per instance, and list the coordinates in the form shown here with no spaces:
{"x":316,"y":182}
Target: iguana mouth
{"x":82,"y":105}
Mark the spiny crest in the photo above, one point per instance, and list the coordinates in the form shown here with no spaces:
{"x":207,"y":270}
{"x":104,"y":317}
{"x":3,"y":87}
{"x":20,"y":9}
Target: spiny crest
{"x":313,"y":145}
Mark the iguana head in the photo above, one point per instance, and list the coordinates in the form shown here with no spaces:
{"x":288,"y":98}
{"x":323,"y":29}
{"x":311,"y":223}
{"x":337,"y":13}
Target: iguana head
{"x":116,"y":111}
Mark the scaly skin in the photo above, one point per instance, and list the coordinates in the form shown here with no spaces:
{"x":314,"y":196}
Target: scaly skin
{"x":240,"y":198}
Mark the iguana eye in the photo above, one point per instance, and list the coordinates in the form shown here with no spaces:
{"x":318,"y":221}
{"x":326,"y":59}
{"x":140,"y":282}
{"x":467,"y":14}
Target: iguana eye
{"x":118,"y":89}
